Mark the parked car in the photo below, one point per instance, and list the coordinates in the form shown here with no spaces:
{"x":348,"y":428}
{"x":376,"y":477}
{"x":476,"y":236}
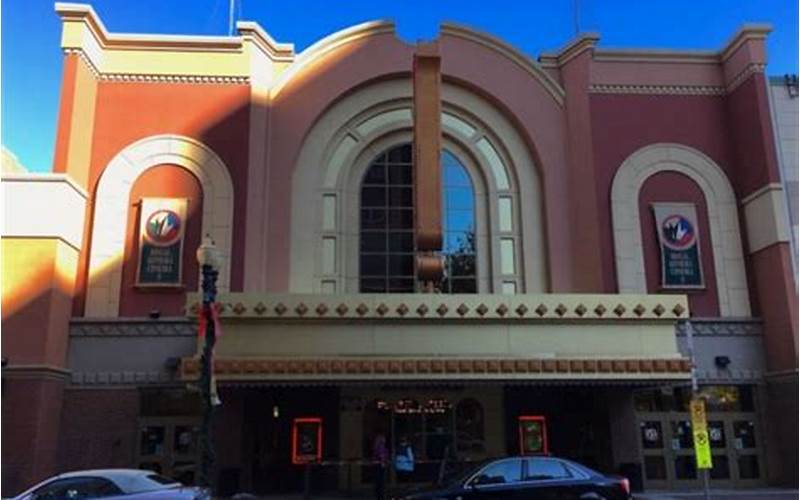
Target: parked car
{"x":517,"y":478}
{"x":112,"y":484}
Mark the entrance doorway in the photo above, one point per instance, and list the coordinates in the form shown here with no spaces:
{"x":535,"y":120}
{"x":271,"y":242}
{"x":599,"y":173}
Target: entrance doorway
{"x":665,"y":436}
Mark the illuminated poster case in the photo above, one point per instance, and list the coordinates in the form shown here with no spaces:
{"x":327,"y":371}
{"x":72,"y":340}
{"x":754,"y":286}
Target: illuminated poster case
{"x":532,"y":435}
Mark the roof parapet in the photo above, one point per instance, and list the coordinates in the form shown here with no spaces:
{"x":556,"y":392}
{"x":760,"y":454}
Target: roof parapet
{"x":582,"y":41}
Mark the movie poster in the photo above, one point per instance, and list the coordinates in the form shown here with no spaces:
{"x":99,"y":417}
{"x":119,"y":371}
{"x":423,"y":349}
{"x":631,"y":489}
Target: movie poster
{"x":679,"y":242}
{"x":161,"y":230}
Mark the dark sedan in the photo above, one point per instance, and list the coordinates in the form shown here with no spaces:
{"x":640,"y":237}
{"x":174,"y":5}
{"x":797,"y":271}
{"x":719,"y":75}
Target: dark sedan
{"x":519,"y":478}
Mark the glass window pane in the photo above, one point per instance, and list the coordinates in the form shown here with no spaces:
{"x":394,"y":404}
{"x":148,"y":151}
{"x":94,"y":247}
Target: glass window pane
{"x":545,"y":468}
{"x":373,"y":218}
{"x":744,"y":433}
{"x":461,"y":265}
{"x":400,"y":175}
{"x":373,"y":285}
{"x":185,"y":439}
{"x":373,"y":197}
{"x":376,"y":174}
{"x":400,"y":154}
{"x":720,"y":467}
{"x":401,"y":285}
{"x":373,"y":265}
{"x":459,"y":198}
{"x":373,"y":241}
{"x":507,"y":471}
{"x":454,"y":172}
{"x":655,"y":467}
{"x":748,"y":467}
{"x":685,"y":467}
{"x":152,"y":440}
{"x":401,"y":241}
{"x":400,"y":197}
{"x":460,"y":221}
{"x":682,"y":437}
{"x":716,"y":433}
{"x":652,"y":437}
{"x":464,"y":286}
{"x":401,"y":219}
{"x":401,"y":265}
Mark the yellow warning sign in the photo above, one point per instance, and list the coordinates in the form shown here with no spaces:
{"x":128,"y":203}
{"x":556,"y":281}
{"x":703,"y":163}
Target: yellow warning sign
{"x":702,"y":448}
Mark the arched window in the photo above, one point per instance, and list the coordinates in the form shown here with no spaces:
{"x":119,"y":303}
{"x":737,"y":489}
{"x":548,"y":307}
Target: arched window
{"x":469,"y":426}
{"x":386,"y":249}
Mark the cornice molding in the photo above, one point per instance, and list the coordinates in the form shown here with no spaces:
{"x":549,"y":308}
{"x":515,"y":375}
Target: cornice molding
{"x":35,"y":371}
{"x":480,"y":307}
{"x":702,"y":90}
{"x":573,"y":48}
{"x":748,"y":71}
{"x":343,"y":368}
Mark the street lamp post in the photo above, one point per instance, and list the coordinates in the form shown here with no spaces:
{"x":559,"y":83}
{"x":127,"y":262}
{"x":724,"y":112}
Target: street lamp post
{"x":208,"y":258}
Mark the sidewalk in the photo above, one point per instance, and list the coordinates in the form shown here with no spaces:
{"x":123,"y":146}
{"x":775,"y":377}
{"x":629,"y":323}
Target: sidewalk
{"x":720,"y":494}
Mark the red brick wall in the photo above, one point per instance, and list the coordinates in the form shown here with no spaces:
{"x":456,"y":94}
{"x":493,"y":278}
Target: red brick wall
{"x":99,"y":428}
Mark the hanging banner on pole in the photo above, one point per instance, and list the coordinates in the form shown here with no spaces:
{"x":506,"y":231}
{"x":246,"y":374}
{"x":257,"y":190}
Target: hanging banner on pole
{"x":676,"y":225}
{"x":702,"y":447}
{"x":161,"y":230}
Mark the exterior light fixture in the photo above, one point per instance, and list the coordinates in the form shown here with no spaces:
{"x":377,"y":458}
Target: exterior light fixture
{"x":209,"y":260}
{"x":722,"y":362}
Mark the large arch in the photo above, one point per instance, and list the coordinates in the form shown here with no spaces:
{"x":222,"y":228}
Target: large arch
{"x":723,"y":220}
{"x":110,"y":213}
{"x":376,"y":116}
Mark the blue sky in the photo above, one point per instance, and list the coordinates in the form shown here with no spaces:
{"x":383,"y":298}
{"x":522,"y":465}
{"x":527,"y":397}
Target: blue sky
{"x":32,"y":60}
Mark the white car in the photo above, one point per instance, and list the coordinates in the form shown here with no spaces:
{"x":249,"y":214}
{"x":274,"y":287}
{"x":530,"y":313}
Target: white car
{"x":112,"y":484}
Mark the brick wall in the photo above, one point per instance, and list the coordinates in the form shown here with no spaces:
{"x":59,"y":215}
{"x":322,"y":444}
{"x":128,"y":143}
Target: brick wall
{"x":99,"y":428}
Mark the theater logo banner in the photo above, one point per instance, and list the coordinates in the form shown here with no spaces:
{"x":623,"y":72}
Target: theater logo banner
{"x":161,"y":230}
{"x":676,"y":225}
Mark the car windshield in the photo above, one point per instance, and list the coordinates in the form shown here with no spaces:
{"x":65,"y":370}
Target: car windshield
{"x":140,"y":483}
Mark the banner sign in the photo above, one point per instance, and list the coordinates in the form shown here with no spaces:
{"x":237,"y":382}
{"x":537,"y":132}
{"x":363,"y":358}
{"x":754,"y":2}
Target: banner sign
{"x":532,"y":434}
{"x":161,"y":229}
{"x":306,"y":440}
{"x":702,"y":447}
{"x":676,"y":225}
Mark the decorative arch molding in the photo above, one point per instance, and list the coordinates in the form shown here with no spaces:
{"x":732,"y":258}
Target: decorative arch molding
{"x":509,"y":52}
{"x":326,"y":186}
{"x":723,"y":221}
{"x":111,"y":211}
{"x":327,"y":45}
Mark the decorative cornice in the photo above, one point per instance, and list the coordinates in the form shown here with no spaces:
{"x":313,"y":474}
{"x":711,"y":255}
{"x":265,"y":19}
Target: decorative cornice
{"x":230,"y":80}
{"x":574,"y":47}
{"x":153,"y":78}
{"x":35,"y":371}
{"x":129,"y":327}
{"x":743,"y":75}
{"x":433,"y":368}
{"x":702,"y":90}
{"x":721,"y":327}
{"x":95,"y":378}
{"x":544,"y":307}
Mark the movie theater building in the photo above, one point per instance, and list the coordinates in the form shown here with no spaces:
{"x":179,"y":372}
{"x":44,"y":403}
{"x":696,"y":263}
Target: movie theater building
{"x":589,"y":203}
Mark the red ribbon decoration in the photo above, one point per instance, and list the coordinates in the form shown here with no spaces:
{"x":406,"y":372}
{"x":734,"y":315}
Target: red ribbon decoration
{"x":216,"y":308}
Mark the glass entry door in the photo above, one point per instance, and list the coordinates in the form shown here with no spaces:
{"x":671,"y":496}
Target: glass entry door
{"x":169,"y":446}
{"x":667,"y":447}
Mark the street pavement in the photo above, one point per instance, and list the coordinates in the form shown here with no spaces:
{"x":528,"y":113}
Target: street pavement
{"x":756,"y":494}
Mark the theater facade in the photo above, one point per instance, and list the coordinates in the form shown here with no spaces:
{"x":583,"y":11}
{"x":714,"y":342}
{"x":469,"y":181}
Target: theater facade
{"x":610,"y":222}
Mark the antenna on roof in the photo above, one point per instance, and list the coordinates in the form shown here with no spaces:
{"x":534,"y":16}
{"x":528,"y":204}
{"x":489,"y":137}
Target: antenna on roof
{"x":576,"y":15}
{"x":230,"y":17}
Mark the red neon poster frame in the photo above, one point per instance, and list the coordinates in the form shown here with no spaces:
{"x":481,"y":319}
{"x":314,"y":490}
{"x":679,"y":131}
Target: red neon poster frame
{"x":296,"y":459}
{"x":533,"y":418}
